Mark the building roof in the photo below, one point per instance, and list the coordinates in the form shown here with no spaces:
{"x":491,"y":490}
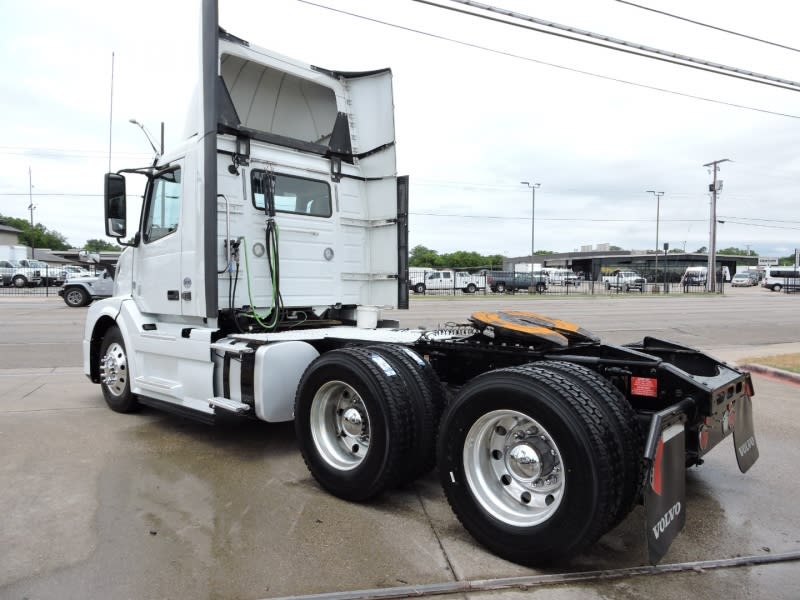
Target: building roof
{"x":9,"y":229}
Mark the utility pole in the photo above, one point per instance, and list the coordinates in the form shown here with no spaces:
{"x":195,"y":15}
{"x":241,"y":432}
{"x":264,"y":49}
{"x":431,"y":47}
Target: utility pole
{"x":711,"y":274}
{"x":658,"y":211}
{"x":533,"y":213}
{"x":30,"y":208}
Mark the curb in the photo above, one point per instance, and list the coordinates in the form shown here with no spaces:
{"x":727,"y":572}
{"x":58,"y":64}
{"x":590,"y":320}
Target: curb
{"x":772,"y":372}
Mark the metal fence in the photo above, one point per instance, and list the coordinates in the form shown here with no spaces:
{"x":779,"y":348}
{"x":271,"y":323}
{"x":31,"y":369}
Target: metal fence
{"x":39,"y":282}
{"x":616,"y":282}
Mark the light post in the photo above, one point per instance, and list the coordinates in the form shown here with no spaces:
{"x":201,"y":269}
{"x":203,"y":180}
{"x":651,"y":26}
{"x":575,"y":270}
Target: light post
{"x":533,"y":187}
{"x":658,"y":211}
{"x":146,"y":134}
{"x":31,"y":208}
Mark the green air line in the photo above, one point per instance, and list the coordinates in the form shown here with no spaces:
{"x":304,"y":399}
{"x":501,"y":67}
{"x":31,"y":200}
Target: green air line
{"x":249,"y":292}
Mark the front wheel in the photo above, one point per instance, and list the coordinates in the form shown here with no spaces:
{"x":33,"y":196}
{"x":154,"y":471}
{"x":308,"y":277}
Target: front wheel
{"x":419,"y":288}
{"x":19,"y":281}
{"x":115,"y":373}
{"x":777,"y":287}
{"x":524,"y":465}
{"x":76,"y":297}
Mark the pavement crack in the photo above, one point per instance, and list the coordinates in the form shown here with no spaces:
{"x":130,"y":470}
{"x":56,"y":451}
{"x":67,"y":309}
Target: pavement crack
{"x":435,"y":534}
{"x":36,"y":389}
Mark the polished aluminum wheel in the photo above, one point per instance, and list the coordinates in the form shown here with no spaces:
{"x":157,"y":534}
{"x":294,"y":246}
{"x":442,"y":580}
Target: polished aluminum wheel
{"x":340,"y":425}
{"x":514,"y":468}
{"x":114,"y":369}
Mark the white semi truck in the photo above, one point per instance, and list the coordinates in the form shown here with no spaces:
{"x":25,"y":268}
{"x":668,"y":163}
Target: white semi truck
{"x":269,"y":242}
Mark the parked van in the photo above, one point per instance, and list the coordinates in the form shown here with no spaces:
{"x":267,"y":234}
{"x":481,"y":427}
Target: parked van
{"x":782,"y":278}
{"x":698,"y":275}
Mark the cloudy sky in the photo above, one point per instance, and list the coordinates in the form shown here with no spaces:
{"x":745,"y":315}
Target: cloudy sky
{"x":473,"y":119}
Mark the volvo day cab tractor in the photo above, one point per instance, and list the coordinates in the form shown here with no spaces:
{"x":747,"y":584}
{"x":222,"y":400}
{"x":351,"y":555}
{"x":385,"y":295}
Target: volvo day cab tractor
{"x":252,"y":285}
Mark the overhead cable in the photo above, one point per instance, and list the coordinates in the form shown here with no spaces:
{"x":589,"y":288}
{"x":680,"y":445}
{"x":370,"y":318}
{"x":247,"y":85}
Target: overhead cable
{"x":627,"y":47}
{"x":701,"y":24}
{"x":549,"y":64}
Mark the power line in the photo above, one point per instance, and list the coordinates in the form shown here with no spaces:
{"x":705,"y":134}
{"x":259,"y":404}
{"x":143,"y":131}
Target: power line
{"x":744,"y":35}
{"x":549,"y":64}
{"x":628,"y":47}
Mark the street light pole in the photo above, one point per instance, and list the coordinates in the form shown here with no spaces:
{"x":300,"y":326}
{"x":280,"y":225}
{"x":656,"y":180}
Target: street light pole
{"x":533,"y":215}
{"x":31,"y":208}
{"x":658,"y":211}
{"x":711,"y":275}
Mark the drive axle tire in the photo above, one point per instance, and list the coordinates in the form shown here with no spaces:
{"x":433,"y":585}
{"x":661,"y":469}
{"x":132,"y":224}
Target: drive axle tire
{"x":425,"y":409}
{"x":115,"y":373}
{"x":76,"y":297}
{"x":524,"y":465}
{"x":353,"y":422}
{"x":625,"y":435}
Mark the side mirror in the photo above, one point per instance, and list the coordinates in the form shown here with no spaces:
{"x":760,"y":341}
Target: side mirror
{"x":115,"y":206}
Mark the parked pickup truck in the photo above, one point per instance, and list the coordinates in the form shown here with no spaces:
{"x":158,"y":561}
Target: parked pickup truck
{"x":13,"y":273}
{"x":450,"y":280}
{"x":50,"y":275}
{"x":624,"y":280}
{"x":507,"y":281}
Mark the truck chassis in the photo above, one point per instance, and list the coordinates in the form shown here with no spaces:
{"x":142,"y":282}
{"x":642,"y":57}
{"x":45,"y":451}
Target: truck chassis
{"x":542,"y":444}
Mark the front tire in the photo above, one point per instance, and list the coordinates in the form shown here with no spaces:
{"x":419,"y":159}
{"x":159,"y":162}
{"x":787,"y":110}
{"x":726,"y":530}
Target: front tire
{"x":76,"y":297}
{"x":19,"y":281}
{"x":115,"y":373}
{"x":471,"y":288}
{"x":524,"y":466}
{"x":419,"y":288}
{"x":777,"y":287}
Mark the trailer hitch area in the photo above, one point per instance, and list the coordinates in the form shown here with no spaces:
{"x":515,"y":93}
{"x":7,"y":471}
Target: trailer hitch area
{"x":665,"y":484}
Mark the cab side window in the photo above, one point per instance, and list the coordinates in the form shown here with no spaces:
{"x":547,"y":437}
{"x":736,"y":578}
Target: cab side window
{"x":164,"y":206}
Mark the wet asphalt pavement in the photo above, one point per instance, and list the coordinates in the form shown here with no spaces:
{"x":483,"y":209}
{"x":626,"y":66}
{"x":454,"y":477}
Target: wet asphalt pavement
{"x":98,"y":504}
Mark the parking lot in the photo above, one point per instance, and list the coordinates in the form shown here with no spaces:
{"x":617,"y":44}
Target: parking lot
{"x":100,"y":504}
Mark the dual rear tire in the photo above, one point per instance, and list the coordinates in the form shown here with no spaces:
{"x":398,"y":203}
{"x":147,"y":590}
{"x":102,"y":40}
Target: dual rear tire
{"x":366,"y":419}
{"x":534,"y":462}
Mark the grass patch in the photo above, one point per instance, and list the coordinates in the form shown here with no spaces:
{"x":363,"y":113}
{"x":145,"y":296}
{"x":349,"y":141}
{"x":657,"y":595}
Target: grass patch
{"x":786,"y":362}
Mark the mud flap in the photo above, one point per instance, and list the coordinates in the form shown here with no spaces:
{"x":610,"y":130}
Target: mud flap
{"x":744,"y":435}
{"x":665,"y":492}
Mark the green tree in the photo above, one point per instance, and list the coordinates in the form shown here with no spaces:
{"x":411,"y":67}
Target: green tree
{"x":733,"y":251}
{"x":423,"y":257}
{"x":701,"y":250}
{"x":95,"y":245}
{"x":38,"y":235}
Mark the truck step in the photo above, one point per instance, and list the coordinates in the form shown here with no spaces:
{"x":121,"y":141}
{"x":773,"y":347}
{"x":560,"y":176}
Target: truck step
{"x":233,"y":406}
